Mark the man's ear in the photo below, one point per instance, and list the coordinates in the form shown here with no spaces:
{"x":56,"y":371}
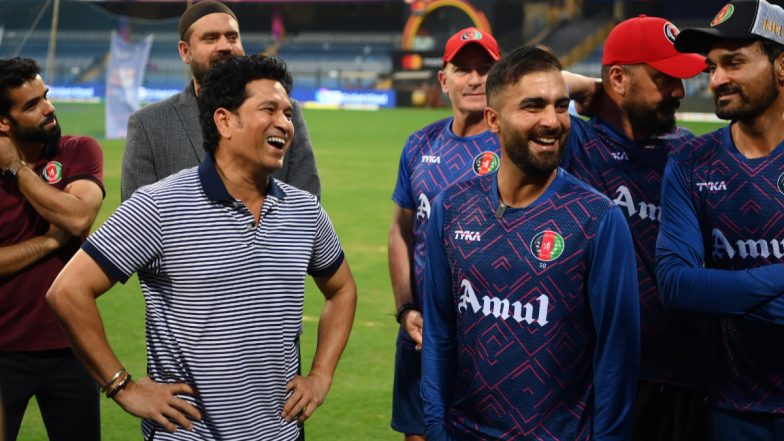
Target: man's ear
{"x":778,"y":68}
{"x":493,"y":119}
{"x":618,"y":78}
{"x":222,"y":117}
{"x":442,"y":80}
{"x":185,"y":52}
{"x":5,"y":126}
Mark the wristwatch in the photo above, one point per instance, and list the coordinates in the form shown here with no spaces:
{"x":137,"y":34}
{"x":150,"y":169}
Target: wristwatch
{"x":404,"y":309}
{"x":16,"y":170}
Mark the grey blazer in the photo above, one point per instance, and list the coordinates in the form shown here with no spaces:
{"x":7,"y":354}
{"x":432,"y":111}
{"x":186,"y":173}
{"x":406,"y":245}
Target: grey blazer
{"x":166,"y":137}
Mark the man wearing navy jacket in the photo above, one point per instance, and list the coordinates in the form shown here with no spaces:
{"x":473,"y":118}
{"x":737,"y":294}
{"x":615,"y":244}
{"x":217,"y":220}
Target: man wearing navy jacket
{"x":530,"y":294}
{"x":720,"y":249}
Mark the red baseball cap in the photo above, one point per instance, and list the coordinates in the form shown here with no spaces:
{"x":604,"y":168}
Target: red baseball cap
{"x":650,"y":40}
{"x":468,"y":36}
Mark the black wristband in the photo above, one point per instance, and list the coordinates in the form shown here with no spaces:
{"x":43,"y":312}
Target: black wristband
{"x":405,"y":308}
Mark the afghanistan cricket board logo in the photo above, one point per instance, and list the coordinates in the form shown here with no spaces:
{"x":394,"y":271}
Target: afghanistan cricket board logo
{"x":53,"y":172}
{"x":780,"y":183}
{"x":723,"y":15}
{"x":547,"y":246}
{"x":486,"y":162}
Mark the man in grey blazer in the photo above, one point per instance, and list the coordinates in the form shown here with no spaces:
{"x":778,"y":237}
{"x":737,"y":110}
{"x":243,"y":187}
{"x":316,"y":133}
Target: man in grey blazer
{"x":166,"y":137}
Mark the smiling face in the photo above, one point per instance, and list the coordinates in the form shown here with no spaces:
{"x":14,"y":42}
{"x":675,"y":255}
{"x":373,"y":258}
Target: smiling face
{"x":531,"y":118}
{"x":742,"y":78}
{"x":31,"y":119}
{"x":463,"y":79}
{"x":259,"y":132}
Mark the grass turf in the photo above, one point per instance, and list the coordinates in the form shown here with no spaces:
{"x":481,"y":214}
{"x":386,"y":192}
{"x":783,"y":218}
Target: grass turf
{"x":357,"y":154}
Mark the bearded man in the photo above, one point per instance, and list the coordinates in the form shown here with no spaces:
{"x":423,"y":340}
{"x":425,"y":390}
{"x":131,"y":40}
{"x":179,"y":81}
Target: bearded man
{"x":50,"y":192}
{"x":531,"y":316}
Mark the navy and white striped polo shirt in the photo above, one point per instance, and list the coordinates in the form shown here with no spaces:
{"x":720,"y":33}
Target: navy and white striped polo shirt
{"x":223,"y":295}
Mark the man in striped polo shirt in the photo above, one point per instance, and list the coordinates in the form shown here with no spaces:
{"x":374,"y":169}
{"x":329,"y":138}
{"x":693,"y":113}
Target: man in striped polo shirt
{"x":221,"y":251}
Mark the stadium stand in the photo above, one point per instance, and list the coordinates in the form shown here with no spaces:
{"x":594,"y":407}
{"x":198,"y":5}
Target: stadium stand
{"x":321,"y":45}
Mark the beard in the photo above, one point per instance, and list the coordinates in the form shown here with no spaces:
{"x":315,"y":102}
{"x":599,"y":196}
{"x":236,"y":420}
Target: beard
{"x":656,"y":120}
{"x":200,"y":70}
{"x":749,"y":107}
{"x":50,"y":138}
{"x":538,"y":165}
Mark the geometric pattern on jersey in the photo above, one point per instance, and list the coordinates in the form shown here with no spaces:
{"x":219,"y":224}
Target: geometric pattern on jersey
{"x":740,"y":208}
{"x":223,"y":296}
{"x":525,"y":361}
{"x":673,"y":344}
{"x":433,"y":159}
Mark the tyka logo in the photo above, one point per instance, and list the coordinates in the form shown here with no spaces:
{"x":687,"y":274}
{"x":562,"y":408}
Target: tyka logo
{"x":712,"y":186}
{"x":423,"y":209}
{"x":500,"y":308}
{"x":619,"y":156}
{"x":431,"y":159}
{"x":469,"y":236}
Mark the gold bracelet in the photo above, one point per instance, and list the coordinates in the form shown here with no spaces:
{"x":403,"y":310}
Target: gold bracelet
{"x":114,"y":379}
{"x":119,"y":384}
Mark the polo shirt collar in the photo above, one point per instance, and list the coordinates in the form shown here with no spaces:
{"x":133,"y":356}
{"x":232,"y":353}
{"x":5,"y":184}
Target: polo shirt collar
{"x":215,"y":189}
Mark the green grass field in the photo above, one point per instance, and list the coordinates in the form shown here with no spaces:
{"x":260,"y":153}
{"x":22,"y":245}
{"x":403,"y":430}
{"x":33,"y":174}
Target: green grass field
{"x":357,"y":154}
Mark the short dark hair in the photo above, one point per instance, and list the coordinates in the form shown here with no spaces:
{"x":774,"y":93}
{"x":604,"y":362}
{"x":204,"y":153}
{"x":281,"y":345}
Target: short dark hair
{"x":14,"y":72}
{"x":771,"y":48}
{"x":518,"y":63}
{"x":224,"y":87}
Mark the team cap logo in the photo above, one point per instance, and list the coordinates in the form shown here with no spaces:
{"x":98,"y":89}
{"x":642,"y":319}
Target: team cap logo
{"x":471,"y":35}
{"x":486,"y":162}
{"x":670,"y":31}
{"x":53,"y":172}
{"x":547,"y":246}
{"x":723,"y":15}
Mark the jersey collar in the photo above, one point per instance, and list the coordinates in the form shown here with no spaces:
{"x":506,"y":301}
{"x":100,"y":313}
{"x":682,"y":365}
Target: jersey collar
{"x":215,"y":189}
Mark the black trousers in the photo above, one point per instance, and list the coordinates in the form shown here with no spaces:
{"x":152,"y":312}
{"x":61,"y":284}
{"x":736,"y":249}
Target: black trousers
{"x":66,"y":394}
{"x":669,"y":413}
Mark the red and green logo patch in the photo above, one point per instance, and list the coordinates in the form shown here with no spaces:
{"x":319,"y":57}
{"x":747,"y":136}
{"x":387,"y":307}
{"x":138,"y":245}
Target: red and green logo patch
{"x":547,"y":246}
{"x":53,"y":172}
{"x":486,"y":162}
{"x":723,"y":15}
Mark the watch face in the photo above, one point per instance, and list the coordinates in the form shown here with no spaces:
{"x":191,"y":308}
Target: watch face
{"x":15,"y":171}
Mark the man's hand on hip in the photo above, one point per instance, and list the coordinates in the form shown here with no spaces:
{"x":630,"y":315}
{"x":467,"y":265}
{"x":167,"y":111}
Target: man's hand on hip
{"x":307,"y":394}
{"x":158,"y":402}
